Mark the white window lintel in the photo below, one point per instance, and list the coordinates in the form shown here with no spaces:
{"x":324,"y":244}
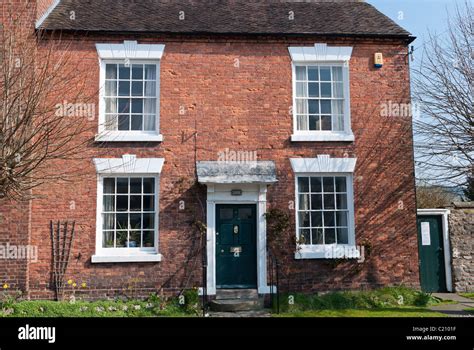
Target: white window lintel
{"x":323,"y":164}
{"x":128,"y":164}
{"x":320,"y":52}
{"x":130,"y":50}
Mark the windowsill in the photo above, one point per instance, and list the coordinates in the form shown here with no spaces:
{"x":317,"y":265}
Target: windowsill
{"x":341,"y":251}
{"x":322,"y":137}
{"x":96,"y":259}
{"x":128,"y":136}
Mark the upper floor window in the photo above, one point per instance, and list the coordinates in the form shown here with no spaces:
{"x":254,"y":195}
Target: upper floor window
{"x":321,"y":97}
{"x":129,"y":92}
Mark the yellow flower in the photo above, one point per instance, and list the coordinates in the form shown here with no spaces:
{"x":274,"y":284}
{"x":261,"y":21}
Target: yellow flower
{"x":69,"y":282}
{"x":74,"y":285}
{"x":84,"y":285}
{"x":5,"y":286}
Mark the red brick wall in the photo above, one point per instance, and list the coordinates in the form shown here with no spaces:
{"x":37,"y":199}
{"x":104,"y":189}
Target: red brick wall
{"x":246,"y":108}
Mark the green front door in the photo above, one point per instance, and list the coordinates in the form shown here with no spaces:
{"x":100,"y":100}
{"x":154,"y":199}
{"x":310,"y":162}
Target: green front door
{"x":236,"y":246}
{"x":431,"y":253}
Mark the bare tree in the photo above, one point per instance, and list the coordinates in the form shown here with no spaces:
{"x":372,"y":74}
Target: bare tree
{"x":428,"y":197}
{"x":443,"y":90}
{"x":38,"y":126}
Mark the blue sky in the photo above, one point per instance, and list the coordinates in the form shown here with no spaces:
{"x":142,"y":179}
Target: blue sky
{"x":418,"y":16}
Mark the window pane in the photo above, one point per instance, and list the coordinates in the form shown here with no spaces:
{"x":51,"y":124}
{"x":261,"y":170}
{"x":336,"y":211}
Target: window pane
{"x":148,"y":203}
{"x":149,"y":106}
{"x":148,"y":221}
{"x":340,"y":184}
{"x":337,"y":107}
{"x":121,"y":221}
{"x":148,"y":185}
{"x":124,"y":105}
{"x":325,"y":106}
{"x":108,"y":221}
{"x":135,"y":185}
{"x":301,"y":90}
{"x":325,"y":89}
{"x":137,"y":122}
{"x":245,"y":213}
{"x":329,"y":219}
{"x":124,"y":72}
{"x":137,"y":71}
{"x":303,"y":219}
{"x":109,"y":203}
{"x":108,"y":239}
{"x":111,"y":122}
{"x":329,"y":201}
{"x":342,"y":235}
{"x":122,"y":203}
{"x":149,"y":122}
{"x":338,"y":122}
{"x":337,"y":74}
{"x":325,"y":73}
{"x":313,"y":89}
{"x":316,"y":219}
{"x":301,"y":73}
{"x":135,"y":203}
{"x":326,"y":122}
{"x":137,"y":88}
{"x":313,"y":106}
{"x":135,"y":221}
{"x":338,"y":90}
{"x":303,"y":184}
{"x":124,"y":122}
{"x":111,"y":71}
{"x":122,"y":185}
{"x":328,"y":183}
{"x":313,"y":74}
{"x":329,"y":236}
{"x":316,"y":184}
{"x":301,"y":106}
{"x":122,"y":237}
{"x":109,"y":185}
{"x":302,"y":121}
{"x":304,"y":201}
{"x":110,"y":105}
{"x":314,"y":122}
{"x":316,"y":201}
{"x":341,"y":218}
{"x":317,"y":236}
{"x":341,"y":200}
{"x":111,"y":88}
{"x":137,"y":105}
{"x":135,"y":239}
{"x":150,"y":88}
{"x":124,"y":88}
{"x":150,"y":72}
{"x":304,"y":237}
{"x":148,"y":239}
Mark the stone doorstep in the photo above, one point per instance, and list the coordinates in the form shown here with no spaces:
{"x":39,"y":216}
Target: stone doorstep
{"x":237,"y":300}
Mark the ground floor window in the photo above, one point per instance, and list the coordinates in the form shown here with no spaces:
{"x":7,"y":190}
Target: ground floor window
{"x":323,"y":210}
{"x":129,"y":212}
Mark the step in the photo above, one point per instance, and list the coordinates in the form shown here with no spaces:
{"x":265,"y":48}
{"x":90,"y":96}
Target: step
{"x":236,"y":305}
{"x":230,"y":294}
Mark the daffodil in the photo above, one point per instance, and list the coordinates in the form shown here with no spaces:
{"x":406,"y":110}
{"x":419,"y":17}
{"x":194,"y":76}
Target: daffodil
{"x":5,"y":286}
{"x":74,"y":285}
{"x":69,"y":282}
{"x":84,"y":285}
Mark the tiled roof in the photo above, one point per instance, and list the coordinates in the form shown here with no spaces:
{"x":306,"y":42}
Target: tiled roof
{"x":222,"y":17}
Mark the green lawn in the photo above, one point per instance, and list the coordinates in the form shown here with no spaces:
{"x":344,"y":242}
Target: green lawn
{"x":388,"y":312}
{"x":467,"y":295}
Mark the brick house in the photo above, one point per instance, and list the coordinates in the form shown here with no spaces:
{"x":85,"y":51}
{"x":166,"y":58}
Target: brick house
{"x":220,"y":112}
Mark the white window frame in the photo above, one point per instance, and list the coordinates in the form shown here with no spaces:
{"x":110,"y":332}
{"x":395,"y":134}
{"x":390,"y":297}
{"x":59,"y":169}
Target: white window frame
{"x":128,"y":166}
{"x":320,"y":167}
{"x":130,"y":52}
{"x":323,"y":55}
